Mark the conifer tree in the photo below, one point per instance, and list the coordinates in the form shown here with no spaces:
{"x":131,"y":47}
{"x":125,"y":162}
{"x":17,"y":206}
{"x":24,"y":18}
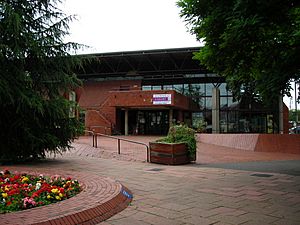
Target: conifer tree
{"x":36,"y":71}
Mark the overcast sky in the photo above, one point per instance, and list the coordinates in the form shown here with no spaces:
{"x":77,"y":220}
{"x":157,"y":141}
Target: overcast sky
{"x":125,"y":25}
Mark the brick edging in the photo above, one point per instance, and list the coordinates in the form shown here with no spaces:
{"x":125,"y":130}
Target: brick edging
{"x":108,"y":209}
{"x":100,"y":199}
{"x":94,"y":215}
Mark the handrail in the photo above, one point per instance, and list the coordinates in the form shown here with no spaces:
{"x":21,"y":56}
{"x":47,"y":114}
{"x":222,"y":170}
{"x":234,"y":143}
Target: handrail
{"x":93,"y":134}
{"x":98,"y":126}
{"x":122,"y":139}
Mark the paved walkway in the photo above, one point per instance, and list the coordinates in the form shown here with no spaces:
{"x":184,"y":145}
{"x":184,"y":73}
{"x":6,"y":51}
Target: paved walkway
{"x":191,"y":194}
{"x":206,"y":153}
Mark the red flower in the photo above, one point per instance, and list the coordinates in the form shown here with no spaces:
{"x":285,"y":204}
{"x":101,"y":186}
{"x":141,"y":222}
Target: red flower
{"x":35,"y":194}
{"x":13,"y":192}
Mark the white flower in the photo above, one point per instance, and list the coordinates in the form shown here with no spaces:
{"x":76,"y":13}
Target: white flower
{"x":38,"y":186}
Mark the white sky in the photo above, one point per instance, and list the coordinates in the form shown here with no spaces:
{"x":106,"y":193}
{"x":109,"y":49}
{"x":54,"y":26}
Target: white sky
{"x":125,"y":25}
{"x":128,"y":25}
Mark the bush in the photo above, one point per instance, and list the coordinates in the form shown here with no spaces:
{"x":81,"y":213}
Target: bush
{"x":181,"y":134}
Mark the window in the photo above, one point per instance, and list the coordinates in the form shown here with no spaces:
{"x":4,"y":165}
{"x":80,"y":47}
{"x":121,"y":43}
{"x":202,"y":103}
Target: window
{"x":158,"y":87}
{"x":72,"y":99}
{"x":208,"y":89}
{"x":167,"y":87}
{"x":146,"y":88}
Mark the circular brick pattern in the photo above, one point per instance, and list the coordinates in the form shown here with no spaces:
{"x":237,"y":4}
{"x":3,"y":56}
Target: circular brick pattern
{"x":100,"y":199}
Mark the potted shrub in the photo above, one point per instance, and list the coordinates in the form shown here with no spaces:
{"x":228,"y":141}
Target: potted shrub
{"x":179,"y":147}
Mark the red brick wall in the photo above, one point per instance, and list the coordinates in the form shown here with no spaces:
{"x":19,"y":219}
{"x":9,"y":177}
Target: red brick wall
{"x":239,"y":141}
{"x":94,"y":118}
{"x":144,"y":99}
{"x":285,"y":143}
{"x":94,"y":98}
{"x":95,"y":93}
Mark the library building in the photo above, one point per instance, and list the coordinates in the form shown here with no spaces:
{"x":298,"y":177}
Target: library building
{"x":144,"y":92}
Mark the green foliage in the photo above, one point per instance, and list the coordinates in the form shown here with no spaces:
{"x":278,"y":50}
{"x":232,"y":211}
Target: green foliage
{"x":294,"y":115}
{"x":254,"y":44}
{"x":181,"y":134}
{"x":36,"y":70}
{"x":199,"y":124}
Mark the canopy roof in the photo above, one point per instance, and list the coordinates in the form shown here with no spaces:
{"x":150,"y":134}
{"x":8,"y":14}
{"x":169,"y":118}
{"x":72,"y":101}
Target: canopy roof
{"x":148,"y":65}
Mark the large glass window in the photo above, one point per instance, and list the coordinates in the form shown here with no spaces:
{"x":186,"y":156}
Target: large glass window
{"x":178,"y":88}
{"x":146,"y":88}
{"x":208,"y":103}
{"x":158,"y":87}
{"x":168,"y":87}
{"x":197,"y":90}
{"x":186,"y":89}
{"x":223,"y":90}
{"x":208,"y":89}
{"x":223,"y":102}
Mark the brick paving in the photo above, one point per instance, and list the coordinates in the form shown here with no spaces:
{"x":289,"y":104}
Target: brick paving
{"x":186,"y":194}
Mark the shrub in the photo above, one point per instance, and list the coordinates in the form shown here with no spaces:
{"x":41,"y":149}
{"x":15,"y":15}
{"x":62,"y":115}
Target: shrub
{"x":181,"y":134}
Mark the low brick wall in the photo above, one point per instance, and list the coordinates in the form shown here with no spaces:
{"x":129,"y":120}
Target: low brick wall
{"x":286,"y":143}
{"x":239,"y":141}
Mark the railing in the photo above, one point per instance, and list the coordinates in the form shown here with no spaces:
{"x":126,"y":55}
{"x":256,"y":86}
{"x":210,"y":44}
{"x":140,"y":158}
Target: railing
{"x":119,"y":142}
{"x":93,"y":134}
{"x":101,"y":127}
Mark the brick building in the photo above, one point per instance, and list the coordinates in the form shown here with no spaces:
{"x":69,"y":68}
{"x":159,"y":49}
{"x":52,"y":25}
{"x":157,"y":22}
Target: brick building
{"x":143,"y":92}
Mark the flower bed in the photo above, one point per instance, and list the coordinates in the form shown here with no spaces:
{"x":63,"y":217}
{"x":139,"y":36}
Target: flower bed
{"x":23,"y":191}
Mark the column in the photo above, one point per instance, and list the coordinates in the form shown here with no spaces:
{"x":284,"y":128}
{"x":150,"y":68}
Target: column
{"x":170,"y":117}
{"x":126,"y":121}
{"x":215,"y":110}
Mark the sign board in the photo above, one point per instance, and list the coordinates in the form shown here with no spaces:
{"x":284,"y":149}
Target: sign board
{"x":162,"y":99}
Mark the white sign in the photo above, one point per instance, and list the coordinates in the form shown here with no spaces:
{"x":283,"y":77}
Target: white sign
{"x":162,"y":99}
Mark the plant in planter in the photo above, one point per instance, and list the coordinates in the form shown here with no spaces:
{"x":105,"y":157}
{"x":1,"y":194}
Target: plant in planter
{"x":178,"y":147}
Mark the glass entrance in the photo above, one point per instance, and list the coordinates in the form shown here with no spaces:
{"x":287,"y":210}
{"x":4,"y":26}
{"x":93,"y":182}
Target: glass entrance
{"x":153,"y":122}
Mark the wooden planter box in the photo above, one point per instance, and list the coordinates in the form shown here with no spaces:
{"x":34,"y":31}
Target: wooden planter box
{"x":169,"y":153}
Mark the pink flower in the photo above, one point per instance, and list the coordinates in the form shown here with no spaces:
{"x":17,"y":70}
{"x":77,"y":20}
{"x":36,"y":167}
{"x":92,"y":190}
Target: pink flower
{"x":28,"y":202}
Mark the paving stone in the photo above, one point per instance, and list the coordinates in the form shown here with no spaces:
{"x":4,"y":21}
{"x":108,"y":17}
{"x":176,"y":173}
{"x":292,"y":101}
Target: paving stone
{"x":198,"y":220}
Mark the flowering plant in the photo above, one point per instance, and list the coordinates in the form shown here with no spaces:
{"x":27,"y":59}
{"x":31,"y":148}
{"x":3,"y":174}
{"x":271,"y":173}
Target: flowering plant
{"x":23,"y":191}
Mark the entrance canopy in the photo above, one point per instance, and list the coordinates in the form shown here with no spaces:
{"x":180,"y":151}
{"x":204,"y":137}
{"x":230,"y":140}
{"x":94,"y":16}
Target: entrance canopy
{"x":151,"y":100}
